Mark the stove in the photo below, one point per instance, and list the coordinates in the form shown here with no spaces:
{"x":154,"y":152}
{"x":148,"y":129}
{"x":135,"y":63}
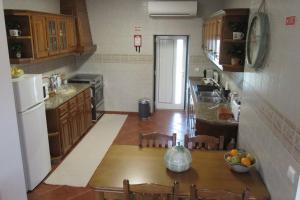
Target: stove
{"x":96,"y":82}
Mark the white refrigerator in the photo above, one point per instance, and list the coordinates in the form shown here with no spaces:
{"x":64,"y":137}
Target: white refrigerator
{"x":32,"y":125}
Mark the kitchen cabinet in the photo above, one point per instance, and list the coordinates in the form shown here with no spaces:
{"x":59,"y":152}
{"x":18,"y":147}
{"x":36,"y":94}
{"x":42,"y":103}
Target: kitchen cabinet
{"x":68,"y":123}
{"x":73,"y":110}
{"x":65,"y":134}
{"x":43,"y":36}
{"x":217,"y":38}
{"x":40,"y":36}
{"x":52,"y":34}
{"x":205,"y":121}
{"x":62,"y":33}
{"x":71,"y":34}
{"x":78,"y":9}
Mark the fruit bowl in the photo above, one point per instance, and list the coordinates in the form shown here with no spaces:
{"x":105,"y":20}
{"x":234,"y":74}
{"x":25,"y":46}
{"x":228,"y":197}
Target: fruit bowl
{"x":239,"y":160}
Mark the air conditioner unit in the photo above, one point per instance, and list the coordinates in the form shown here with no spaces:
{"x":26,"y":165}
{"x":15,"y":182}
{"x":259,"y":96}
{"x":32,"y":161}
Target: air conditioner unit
{"x":172,"y":8}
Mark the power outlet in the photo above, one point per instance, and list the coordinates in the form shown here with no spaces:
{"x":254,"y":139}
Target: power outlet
{"x":291,"y":173}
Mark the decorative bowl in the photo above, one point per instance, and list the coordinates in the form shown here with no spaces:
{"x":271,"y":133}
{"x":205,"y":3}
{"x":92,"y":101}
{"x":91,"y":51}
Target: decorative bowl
{"x":178,"y":159}
{"x":239,"y":167}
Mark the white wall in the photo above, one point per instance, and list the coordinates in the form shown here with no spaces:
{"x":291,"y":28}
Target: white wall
{"x":52,"y":6}
{"x":12,"y":183}
{"x":129,"y":75}
{"x":270,"y":112}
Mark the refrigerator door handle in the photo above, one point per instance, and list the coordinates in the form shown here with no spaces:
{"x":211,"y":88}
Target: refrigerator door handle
{"x":33,"y":108}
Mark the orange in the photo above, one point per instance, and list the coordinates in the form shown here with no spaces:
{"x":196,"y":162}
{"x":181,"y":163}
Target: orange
{"x":246,"y":162}
{"x":234,"y":152}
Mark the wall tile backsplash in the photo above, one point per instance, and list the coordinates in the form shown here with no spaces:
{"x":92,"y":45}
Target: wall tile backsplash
{"x":66,"y":66}
{"x":283,"y":128}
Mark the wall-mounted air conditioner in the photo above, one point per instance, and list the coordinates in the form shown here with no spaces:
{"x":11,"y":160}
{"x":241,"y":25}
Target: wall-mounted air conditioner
{"x":172,"y":8}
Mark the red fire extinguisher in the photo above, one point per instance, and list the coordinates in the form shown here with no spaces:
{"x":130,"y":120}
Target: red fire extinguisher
{"x":138,"y":43}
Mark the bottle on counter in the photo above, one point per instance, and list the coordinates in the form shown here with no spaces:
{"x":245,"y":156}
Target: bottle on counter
{"x":231,"y":144}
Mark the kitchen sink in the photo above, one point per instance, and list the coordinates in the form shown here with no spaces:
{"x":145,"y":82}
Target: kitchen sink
{"x":211,"y":97}
{"x":209,"y":94}
{"x":205,"y":88}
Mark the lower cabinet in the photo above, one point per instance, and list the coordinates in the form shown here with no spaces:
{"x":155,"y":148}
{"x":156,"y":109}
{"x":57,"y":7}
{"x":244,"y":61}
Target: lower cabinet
{"x":65,"y":133}
{"x":68,"y":123}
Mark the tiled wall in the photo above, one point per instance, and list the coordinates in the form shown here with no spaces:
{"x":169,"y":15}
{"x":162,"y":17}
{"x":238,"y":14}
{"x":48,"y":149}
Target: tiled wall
{"x":66,"y":66}
{"x":270,"y":114}
{"x":128,"y":75}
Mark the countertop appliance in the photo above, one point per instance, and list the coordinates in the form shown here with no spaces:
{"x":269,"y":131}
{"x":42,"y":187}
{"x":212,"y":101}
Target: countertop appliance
{"x":31,"y":114}
{"x":96,"y":81}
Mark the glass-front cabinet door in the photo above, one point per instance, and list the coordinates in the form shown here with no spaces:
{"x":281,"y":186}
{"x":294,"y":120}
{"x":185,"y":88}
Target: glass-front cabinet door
{"x":52,"y":35}
{"x":63,"y":43}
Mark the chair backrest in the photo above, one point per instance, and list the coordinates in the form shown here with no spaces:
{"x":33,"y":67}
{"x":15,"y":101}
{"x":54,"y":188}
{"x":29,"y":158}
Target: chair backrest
{"x":205,"y":194}
{"x":149,"y":191}
{"x":157,"y":140}
{"x":204,"y":142}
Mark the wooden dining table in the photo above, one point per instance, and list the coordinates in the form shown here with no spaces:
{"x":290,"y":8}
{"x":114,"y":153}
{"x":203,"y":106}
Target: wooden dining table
{"x":146,"y":165}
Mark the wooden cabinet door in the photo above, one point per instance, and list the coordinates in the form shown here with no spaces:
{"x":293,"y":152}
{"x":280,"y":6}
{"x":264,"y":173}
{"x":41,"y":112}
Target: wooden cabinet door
{"x":78,"y":8}
{"x":88,"y":108}
{"x":81,"y":119}
{"x":88,"y":113}
{"x":39,"y":36}
{"x":65,"y":133}
{"x":62,"y":32}
{"x":52,"y":32}
{"x":71,"y":34}
{"x":74,"y":126}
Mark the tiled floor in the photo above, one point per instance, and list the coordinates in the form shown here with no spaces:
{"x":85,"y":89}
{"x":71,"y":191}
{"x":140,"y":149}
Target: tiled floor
{"x":163,"y":121}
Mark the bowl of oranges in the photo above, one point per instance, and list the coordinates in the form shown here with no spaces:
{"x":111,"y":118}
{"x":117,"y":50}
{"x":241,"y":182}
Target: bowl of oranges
{"x":239,"y":160}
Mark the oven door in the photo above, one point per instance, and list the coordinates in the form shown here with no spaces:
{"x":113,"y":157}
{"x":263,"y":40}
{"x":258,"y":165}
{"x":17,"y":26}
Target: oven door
{"x":98,"y":93}
{"x":98,"y":101}
{"x":99,"y":109}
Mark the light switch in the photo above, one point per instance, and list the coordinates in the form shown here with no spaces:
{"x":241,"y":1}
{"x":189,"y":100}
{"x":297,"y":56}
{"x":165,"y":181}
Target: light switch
{"x":197,"y":69}
{"x":291,"y":173}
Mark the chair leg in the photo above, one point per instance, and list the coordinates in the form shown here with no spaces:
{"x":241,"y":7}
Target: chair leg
{"x":99,"y":195}
{"x":126,"y":189}
{"x":193,"y":192}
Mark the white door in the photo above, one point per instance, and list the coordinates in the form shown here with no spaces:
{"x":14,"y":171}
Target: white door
{"x":170,"y":72}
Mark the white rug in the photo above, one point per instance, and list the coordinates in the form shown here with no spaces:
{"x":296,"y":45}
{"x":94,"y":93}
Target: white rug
{"x":79,"y":166}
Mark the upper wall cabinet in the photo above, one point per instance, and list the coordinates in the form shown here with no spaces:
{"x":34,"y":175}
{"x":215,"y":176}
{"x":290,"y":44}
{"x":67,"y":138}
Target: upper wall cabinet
{"x":224,"y":35}
{"x":78,"y":9}
{"x":36,"y":36}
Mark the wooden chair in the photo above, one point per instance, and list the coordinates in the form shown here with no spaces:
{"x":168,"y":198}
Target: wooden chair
{"x":156,"y":140}
{"x":204,"y":194}
{"x":150,"y":191}
{"x":204,"y":142}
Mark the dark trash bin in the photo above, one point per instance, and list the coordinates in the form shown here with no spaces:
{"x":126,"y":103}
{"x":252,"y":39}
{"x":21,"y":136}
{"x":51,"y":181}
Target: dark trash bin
{"x":144,"y":108}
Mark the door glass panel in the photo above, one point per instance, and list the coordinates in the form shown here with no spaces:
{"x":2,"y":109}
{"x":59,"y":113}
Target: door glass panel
{"x":54,"y":43}
{"x":50,"y":44}
{"x":179,"y":71}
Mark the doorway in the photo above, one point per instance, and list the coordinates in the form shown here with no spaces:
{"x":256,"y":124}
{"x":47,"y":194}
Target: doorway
{"x":170,"y":72}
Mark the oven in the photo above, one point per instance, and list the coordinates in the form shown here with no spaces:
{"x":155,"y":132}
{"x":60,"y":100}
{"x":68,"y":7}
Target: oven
{"x":97,"y":101}
{"x":97,"y":87}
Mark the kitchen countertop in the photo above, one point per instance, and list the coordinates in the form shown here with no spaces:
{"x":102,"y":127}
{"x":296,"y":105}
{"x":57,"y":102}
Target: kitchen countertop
{"x":60,"y":98}
{"x":201,"y":109}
